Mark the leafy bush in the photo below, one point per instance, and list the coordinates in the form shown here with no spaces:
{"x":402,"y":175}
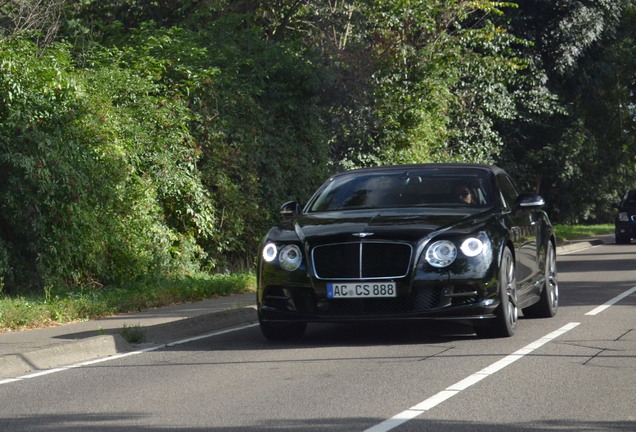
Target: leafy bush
{"x":100,"y":181}
{"x":256,"y":120}
{"x":63,"y":305}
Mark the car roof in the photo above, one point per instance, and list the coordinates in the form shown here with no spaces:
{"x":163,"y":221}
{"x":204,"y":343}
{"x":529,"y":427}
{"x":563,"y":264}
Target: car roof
{"x":384,"y":168}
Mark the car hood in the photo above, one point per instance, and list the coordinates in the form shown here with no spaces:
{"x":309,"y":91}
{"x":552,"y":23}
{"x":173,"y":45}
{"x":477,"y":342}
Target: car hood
{"x":407,"y":225}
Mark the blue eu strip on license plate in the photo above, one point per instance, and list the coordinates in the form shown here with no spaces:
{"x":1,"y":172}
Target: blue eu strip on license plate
{"x":361,"y":290}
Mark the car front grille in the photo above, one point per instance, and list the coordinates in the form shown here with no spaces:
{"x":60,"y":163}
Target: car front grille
{"x":362,"y":260}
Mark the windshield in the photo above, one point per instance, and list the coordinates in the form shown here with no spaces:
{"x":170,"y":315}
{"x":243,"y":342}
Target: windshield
{"x":389,"y":189}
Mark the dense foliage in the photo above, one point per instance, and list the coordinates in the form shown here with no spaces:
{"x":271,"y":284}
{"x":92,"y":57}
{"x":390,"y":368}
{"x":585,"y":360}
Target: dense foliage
{"x":158,"y":138}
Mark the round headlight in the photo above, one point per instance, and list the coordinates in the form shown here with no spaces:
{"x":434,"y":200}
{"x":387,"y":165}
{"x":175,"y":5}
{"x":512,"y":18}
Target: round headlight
{"x":472,"y":247}
{"x":290,"y":257}
{"x":269,"y":252}
{"x":441,"y":253}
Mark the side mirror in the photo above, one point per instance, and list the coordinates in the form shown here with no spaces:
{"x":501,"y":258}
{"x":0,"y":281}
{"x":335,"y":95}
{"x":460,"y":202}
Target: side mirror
{"x":529,"y":201}
{"x":290,"y":209}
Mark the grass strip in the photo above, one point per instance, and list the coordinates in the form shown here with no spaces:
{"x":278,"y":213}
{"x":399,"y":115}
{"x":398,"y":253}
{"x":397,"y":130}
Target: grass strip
{"x":31,"y":310}
{"x":565,"y":233}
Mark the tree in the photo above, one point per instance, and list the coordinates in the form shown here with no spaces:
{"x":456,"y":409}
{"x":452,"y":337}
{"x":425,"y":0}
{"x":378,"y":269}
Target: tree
{"x":585,"y":147}
{"x":41,"y":17}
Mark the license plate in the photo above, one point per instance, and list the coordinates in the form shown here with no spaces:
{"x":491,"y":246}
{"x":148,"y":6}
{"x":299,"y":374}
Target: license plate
{"x":361,"y":290}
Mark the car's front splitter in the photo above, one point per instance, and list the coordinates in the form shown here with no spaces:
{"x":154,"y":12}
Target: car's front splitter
{"x":478,"y":311}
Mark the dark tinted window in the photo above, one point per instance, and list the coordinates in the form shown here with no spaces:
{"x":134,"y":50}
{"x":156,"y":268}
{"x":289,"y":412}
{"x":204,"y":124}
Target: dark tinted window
{"x":388,"y":189}
{"x":508,"y":191}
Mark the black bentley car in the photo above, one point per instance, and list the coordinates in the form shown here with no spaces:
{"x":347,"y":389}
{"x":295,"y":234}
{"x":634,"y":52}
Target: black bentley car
{"x":428,"y":241}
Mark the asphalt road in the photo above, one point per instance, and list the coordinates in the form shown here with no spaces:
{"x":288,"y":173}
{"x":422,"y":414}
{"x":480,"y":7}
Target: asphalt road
{"x":576,"y":372}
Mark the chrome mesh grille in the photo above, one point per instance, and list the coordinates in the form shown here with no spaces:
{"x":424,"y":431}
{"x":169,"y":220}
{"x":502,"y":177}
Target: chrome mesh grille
{"x":362,"y":260}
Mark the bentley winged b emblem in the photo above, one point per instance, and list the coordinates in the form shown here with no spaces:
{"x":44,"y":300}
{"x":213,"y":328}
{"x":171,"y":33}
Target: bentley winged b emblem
{"x":362,"y":234}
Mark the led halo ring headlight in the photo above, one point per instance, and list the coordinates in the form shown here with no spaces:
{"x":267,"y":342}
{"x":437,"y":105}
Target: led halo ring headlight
{"x":471,"y":247}
{"x":441,"y":253}
{"x":290,"y":257}
{"x":269,"y":252}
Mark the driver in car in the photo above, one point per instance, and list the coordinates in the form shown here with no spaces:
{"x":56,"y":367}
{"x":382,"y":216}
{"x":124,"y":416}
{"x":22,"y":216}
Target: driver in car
{"x":465,"y":194}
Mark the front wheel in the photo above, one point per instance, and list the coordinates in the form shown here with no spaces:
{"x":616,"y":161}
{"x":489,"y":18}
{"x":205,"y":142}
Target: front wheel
{"x":548,"y":303}
{"x":505,"y":322}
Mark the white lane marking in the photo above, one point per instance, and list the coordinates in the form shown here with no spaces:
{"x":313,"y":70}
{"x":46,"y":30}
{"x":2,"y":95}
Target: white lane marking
{"x":611,"y":302}
{"x":454,"y":389}
{"x":122,"y":355}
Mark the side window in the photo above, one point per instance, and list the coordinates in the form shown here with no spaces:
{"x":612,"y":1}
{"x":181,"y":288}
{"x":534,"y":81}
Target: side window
{"x":630,"y":199}
{"x":508,"y":191}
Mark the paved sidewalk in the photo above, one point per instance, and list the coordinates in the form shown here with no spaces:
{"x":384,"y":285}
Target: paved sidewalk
{"x":584,"y":243}
{"x":35,"y":350}
{"x":27,"y":351}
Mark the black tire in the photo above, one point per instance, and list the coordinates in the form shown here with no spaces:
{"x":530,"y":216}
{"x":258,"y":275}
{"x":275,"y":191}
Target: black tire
{"x":622,"y":240}
{"x":279,"y":331}
{"x":548,"y":304}
{"x":505,"y":322}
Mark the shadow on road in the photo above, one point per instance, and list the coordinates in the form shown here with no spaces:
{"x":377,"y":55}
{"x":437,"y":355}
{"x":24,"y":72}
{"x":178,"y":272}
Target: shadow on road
{"x":126,"y":423}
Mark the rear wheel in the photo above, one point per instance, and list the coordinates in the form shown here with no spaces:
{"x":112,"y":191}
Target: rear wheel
{"x":505,"y":322}
{"x":547,"y":305}
{"x":283,"y":330}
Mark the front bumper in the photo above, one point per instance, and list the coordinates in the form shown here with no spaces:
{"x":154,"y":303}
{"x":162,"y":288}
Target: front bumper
{"x":436,"y":302}
{"x":466,"y":289}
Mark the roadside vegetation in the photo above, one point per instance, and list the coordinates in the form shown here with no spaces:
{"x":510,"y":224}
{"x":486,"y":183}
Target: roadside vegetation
{"x":566,"y":233}
{"x":143,"y":142}
{"x":30,"y":310}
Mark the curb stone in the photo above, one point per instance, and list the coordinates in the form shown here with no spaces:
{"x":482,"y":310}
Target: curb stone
{"x":577,"y":246}
{"x":62,"y":355}
{"x":106,"y":345}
